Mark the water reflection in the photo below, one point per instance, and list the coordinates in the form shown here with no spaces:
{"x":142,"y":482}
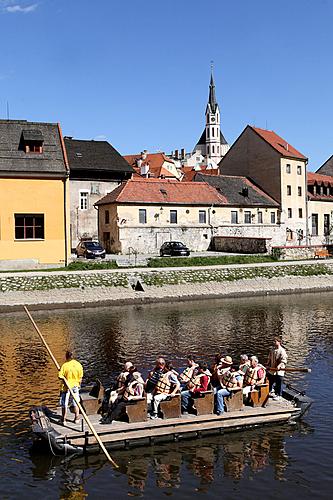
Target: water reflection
{"x":232,"y":456}
{"x":104,"y":338}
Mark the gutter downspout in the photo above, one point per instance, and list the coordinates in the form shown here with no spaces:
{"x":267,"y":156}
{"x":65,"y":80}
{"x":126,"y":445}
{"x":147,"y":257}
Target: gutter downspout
{"x":306,"y":205}
{"x":65,"y":191}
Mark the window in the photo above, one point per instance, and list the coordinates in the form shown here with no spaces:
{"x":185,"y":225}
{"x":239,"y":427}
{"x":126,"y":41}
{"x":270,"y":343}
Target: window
{"x":84,"y":199}
{"x":247,"y":217}
{"x":173,"y":216}
{"x":33,"y":148}
{"x":300,"y":213}
{"x":326,"y":224}
{"x":290,"y":213}
{"x":314,"y":224}
{"x":208,"y":150}
{"x":29,"y":226}
{"x":213,"y":132}
{"x":208,"y":133}
{"x":234,"y":217}
{"x":202,"y":217}
{"x":213,"y":149}
{"x":107,"y":217}
{"x":299,"y":169}
{"x":94,"y":189}
{"x":288,"y":190}
{"x":142,"y":216}
{"x":272,"y":217}
{"x":218,"y":150}
{"x":289,"y":235}
{"x":299,"y":191}
{"x":288,"y":168}
{"x":259,"y":217}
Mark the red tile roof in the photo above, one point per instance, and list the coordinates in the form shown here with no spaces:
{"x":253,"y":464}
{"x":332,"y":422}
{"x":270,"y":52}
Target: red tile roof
{"x":161,"y":192}
{"x":155,"y":162}
{"x":189,"y":172}
{"x":327,"y":180}
{"x":279,"y":144}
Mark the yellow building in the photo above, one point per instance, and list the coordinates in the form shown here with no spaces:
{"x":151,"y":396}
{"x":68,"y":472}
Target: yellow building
{"x":34,"y":215}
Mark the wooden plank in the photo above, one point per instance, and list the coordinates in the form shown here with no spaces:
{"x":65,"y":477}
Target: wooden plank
{"x":189,"y":428}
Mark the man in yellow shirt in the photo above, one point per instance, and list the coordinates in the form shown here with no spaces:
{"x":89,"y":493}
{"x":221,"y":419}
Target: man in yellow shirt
{"x":72,"y":371}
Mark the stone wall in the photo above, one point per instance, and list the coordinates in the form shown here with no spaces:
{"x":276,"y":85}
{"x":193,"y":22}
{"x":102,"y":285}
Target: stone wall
{"x":151,"y":277}
{"x":239,"y":245}
{"x":297,"y":252}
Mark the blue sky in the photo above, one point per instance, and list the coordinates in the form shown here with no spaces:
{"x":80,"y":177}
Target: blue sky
{"x":137,"y":72}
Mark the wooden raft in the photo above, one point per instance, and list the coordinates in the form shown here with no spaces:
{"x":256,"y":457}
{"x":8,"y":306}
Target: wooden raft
{"x":120,"y":435}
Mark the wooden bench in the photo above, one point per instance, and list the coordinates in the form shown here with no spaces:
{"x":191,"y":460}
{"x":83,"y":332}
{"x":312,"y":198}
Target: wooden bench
{"x":136,"y":410}
{"x":234,"y":402}
{"x":171,"y":407}
{"x":204,"y":403}
{"x":92,"y":398}
{"x":321,"y":253}
{"x":259,"y":396}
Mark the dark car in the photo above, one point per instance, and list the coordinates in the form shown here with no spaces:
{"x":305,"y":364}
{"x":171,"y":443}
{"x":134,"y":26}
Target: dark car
{"x":90,"y":250}
{"x":174,"y":248}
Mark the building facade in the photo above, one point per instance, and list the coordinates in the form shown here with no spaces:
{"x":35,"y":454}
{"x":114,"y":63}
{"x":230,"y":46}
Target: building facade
{"x":96,"y":168}
{"x":279,"y":169}
{"x":34,"y":192}
{"x":320,"y":196}
{"x":141,"y":215}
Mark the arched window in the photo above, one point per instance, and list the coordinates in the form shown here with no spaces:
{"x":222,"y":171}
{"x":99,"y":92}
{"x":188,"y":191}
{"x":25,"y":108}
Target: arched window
{"x":208,"y":133}
{"x":213,"y":132}
{"x":208,"y":150}
{"x":213,"y":149}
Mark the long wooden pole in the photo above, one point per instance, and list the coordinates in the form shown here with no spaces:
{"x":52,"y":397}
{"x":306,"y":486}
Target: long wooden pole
{"x":84,"y":415}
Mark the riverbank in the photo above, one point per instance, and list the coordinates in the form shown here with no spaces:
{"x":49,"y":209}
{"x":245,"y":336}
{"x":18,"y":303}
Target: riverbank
{"x":116,"y":287}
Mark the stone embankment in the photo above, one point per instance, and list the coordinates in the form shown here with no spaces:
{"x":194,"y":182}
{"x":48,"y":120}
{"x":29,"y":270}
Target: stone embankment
{"x":44,"y":290}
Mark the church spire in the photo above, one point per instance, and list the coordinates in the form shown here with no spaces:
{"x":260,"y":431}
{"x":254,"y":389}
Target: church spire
{"x":212,"y":97}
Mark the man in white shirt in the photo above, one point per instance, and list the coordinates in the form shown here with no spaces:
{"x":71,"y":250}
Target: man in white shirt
{"x":276,"y":363}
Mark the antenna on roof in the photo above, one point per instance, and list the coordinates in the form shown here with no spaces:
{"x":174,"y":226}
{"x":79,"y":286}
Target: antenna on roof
{"x":266,"y":125}
{"x":7,"y":110}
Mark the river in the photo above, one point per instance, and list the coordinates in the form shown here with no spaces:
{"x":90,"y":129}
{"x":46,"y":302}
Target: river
{"x":272,"y":462}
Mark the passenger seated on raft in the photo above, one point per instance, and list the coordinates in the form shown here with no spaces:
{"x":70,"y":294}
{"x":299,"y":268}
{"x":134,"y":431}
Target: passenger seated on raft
{"x":228,"y":379}
{"x":120,"y":383}
{"x":254,"y":375}
{"x":132,"y":389}
{"x":155,"y":375}
{"x":199,"y":384}
{"x":214,"y":378}
{"x":168,"y":385}
{"x":244,"y":364}
{"x":189,"y":373}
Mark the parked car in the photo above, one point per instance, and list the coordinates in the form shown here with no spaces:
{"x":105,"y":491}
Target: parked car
{"x":90,"y":250}
{"x":174,"y":248}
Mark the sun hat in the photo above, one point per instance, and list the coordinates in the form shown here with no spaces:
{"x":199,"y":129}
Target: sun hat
{"x":227,"y":360}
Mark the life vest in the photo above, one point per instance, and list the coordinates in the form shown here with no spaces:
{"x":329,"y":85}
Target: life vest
{"x":195,"y":383}
{"x":243,"y":367}
{"x":187,"y":374}
{"x":131,"y":390}
{"x":251,"y":375}
{"x":153,"y":379}
{"x":163,"y":385}
{"x":229,"y":380}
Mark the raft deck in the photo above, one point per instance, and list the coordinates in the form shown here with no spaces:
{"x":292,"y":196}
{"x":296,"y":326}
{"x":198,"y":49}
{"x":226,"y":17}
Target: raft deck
{"x":124,"y":435}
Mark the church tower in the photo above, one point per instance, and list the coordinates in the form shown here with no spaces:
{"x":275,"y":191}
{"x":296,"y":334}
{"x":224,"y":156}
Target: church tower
{"x":212,"y":143}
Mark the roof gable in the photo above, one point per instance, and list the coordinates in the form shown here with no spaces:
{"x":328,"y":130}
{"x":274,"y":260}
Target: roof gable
{"x":14,"y":160}
{"x":279,"y":144}
{"x":99,"y":156}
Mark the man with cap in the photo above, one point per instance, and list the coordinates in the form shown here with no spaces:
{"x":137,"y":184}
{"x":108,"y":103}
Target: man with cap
{"x":228,"y":380}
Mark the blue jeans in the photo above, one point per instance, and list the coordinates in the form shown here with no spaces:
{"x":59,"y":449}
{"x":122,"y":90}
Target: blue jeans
{"x":220,"y":393}
{"x":187,"y":400}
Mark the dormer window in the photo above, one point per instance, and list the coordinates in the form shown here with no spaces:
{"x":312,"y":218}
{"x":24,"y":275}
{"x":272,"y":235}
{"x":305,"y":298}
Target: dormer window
{"x":32,"y":141}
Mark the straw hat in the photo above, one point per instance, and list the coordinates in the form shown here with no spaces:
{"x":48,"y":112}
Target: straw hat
{"x":227,"y":360}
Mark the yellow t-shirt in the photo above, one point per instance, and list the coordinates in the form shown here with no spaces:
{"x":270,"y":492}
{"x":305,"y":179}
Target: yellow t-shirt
{"x":73,"y":372}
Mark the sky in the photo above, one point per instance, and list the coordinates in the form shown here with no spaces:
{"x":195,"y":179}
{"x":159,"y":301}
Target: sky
{"x":136,"y":72}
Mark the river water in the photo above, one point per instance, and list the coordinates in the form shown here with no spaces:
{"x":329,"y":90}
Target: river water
{"x":272,"y":462}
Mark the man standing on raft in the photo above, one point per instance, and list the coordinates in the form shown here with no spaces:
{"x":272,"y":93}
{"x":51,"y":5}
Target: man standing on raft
{"x":72,"y":371}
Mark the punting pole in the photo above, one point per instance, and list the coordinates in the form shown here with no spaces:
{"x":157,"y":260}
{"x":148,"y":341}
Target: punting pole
{"x":84,"y":415}
{"x":300,"y":369}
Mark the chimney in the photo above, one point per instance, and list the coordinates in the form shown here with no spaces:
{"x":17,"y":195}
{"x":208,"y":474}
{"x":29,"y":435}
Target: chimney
{"x":176,"y":154}
{"x":182,"y":153}
{"x":287,"y":147}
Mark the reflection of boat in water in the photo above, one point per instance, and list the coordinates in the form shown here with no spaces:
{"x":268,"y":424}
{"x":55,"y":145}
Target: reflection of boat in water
{"x":73,"y":438}
{"x":168,"y":465}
